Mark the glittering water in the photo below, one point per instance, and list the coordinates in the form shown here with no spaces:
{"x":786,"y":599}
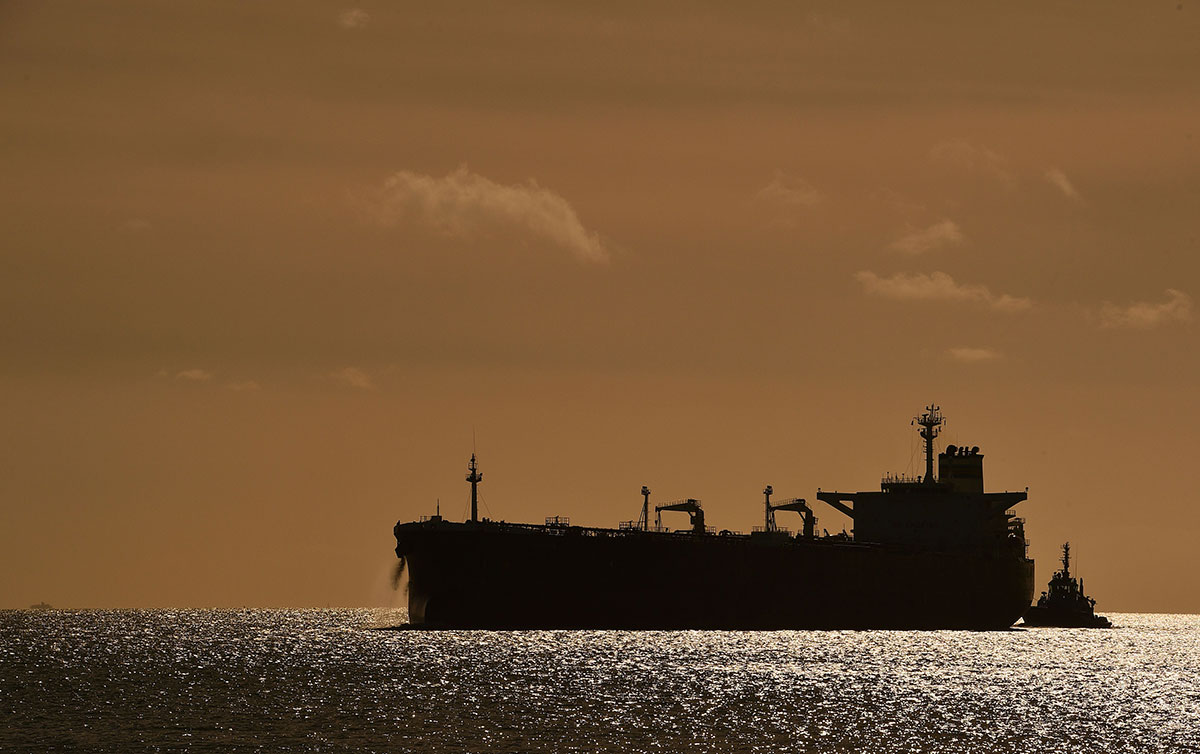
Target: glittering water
{"x":328,"y":681}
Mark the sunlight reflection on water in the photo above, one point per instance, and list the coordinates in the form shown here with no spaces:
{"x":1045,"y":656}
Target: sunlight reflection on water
{"x":326,"y":680}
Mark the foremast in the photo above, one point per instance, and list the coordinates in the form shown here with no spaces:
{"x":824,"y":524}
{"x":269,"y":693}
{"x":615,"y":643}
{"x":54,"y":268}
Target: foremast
{"x":474,"y":476}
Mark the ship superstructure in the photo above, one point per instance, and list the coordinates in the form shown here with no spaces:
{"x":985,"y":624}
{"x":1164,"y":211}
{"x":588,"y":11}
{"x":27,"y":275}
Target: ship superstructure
{"x":925,"y":552}
{"x":947,"y":511}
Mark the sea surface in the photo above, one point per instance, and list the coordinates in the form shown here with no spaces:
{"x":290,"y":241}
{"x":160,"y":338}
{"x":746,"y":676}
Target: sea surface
{"x":340,"y":681}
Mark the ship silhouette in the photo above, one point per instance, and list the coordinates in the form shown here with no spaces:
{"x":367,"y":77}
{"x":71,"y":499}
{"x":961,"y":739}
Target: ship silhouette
{"x":925,"y":552}
{"x":1064,"y":604}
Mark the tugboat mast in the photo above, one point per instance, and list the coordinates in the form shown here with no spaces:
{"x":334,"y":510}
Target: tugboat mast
{"x":930,"y":423}
{"x":474,"y":477}
{"x":1066,"y":560}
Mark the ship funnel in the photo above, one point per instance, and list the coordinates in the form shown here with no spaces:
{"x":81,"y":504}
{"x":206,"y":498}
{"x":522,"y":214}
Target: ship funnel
{"x":961,"y":468}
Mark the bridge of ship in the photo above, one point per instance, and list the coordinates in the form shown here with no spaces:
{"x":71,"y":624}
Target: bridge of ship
{"x":925,"y":513}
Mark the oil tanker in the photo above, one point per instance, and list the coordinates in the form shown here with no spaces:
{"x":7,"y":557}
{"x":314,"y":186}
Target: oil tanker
{"x":925,"y":552}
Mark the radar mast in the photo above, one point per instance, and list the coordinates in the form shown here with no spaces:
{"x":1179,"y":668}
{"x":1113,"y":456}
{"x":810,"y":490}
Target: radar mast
{"x":930,"y":423}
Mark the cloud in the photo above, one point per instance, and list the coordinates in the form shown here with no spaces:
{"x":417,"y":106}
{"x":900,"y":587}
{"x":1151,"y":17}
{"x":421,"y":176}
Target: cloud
{"x":354,"y":18}
{"x":828,"y":23}
{"x":194,"y":375}
{"x":962,"y":154}
{"x":1059,"y":180}
{"x":467,"y":205}
{"x":245,"y":386}
{"x":353,"y":377}
{"x":789,"y":192}
{"x":901,"y":203}
{"x":937,"y":286}
{"x":1144,"y":314}
{"x":943,"y":233}
{"x":972,"y":355}
{"x":1006,"y":303}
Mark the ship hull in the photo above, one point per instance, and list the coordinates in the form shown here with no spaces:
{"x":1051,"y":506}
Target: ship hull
{"x":497,"y":576}
{"x":1050,"y":618}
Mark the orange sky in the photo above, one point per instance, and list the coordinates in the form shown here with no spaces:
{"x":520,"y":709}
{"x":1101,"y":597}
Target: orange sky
{"x":267,"y":266}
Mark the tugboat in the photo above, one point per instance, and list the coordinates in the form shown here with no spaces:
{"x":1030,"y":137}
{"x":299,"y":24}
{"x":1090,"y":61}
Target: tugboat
{"x":1065,"y":605}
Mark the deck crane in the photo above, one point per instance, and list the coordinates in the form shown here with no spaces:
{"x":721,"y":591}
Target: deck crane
{"x":795,"y":504}
{"x":691,"y":505}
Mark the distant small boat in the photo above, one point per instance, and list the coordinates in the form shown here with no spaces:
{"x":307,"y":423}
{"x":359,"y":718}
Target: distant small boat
{"x":1064,"y":604}
{"x":41,"y":606}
